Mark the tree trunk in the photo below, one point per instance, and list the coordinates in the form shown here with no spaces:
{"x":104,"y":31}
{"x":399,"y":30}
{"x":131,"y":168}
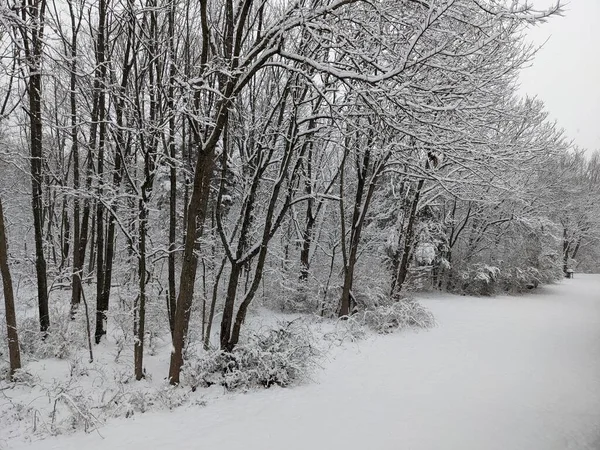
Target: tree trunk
{"x":77,"y":252}
{"x":402,"y":270}
{"x":110,"y":240}
{"x":32,"y":30}
{"x":306,"y":243}
{"x":139,"y":324}
{"x":566,"y":246}
{"x":92,"y":256}
{"x":310,"y":217}
{"x":196,"y":214}
{"x":9,"y":300}
{"x":363,"y":190}
{"x":35,"y":114}
{"x":101,"y":306}
{"x":172,"y":170}
{"x":213,"y":303}
{"x":228,"y":309}
{"x":32,"y":15}
{"x":101,"y":298}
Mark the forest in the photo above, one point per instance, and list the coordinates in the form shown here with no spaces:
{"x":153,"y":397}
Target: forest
{"x":171,"y":169}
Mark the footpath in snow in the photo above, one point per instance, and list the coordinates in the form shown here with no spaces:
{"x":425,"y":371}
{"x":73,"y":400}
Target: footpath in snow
{"x":506,"y":373}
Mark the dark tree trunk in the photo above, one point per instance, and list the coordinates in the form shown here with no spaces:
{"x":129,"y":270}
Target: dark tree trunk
{"x":65,"y":234}
{"x":35,"y":113}
{"x":172,"y":170}
{"x":195,"y":218}
{"x":101,"y":298}
{"x":92,"y":256}
{"x":110,"y":241}
{"x":307,"y":236}
{"x":139,"y":325}
{"x":14,"y":354}
{"x":80,"y":244}
{"x":363,"y":190}
{"x":32,"y":15}
{"x":307,"y":233}
{"x":566,"y":246}
{"x":101,"y":305}
{"x":228,"y":309}
{"x":77,"y":251}
{"x":149,"y":147}
{"x":409,"y":236}
{"x":213,"y":303}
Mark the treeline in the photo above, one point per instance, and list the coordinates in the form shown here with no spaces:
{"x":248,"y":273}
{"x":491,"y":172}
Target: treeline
{"x":330,"y":154}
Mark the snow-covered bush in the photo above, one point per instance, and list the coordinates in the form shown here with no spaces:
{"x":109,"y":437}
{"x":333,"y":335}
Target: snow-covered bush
{"x":21,"y":376}
{"x":279,"y":356}
{"x":289,"y":294}
{"x":72,"y":412}
{"x":485,"y":280}
{"x":516,"y":279}
{"x":63,"y":337}
{"x":351,"y":329}
{"x":477,"y":279}
{"x":301,"y":301}
{"x":128,"y":402}
{"x":406,"y":313}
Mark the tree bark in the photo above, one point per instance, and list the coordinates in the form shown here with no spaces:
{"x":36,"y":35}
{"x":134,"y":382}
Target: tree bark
{"x":101,"y":297}
{"x":32,"y":29}
{"x":228,"y":309}
{"x":139,"y":326}
{"x":363,"y":190}
{"x":402,"y":269}
{"x":195,"y":219}
{"x":77,"y":263}
{"x":35,"y":114}
{"x":9,"y":300}
{"x":172,"y":170}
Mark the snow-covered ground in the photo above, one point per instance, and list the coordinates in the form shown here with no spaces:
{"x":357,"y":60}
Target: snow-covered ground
{"x":502,"y":373}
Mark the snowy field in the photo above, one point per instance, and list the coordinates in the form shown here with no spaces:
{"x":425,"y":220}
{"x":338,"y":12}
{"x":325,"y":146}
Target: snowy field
{"x":501,"y":373}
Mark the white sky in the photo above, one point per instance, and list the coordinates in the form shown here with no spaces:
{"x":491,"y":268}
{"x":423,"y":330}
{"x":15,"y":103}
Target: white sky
{"x":566,"y":72}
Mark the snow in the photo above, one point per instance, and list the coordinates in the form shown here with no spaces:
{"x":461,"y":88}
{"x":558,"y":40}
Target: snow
{"x":502,"y":373}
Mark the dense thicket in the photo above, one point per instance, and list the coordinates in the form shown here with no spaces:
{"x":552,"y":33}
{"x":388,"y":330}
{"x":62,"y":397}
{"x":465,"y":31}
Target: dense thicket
{"x":327,"y":156}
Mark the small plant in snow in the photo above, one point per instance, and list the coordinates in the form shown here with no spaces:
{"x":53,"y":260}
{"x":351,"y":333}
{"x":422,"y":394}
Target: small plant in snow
{"x":406,"y":313}
{"x":480,"y":279}
{"x":279,"y":357}
{"x":348,"y":330}
{"x":64,"y":337}
{"x":71,"y":413}
{"x":22,"y":376}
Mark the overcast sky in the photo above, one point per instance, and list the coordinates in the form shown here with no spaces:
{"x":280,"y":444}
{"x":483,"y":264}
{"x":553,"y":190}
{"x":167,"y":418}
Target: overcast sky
{"x":566,"y":72}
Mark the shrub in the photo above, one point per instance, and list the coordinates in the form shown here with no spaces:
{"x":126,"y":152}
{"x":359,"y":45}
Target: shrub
{"x":141,"y":399}
{"x":405,"y":313}
{"x":520,"y":279}
{"x":351,"y":329}
{"x":63,"y":337}
{"x":276,"y":357}
{"x":478,"y":280}
{"x":484,"y":280}
{"x":302,"y":301}
{"x":71,"y":413}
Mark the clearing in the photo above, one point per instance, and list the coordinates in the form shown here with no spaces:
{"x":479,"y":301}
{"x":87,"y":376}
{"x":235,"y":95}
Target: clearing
{"x":502,"y":373}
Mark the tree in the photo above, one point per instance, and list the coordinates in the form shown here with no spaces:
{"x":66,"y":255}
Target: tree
{"x":31,"y":30}
{"x":9,"y":300}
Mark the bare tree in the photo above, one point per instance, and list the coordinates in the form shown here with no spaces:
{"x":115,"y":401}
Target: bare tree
{"x":9,"y":300}
{"x":31,"y":30}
